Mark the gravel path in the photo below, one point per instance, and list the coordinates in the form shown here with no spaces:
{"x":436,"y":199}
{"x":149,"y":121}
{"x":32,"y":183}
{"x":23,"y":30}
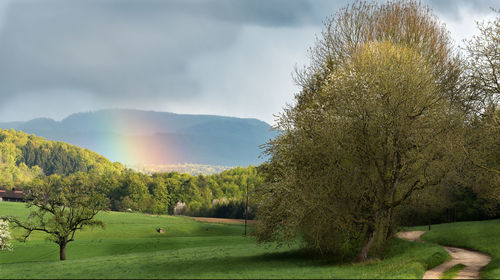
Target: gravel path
{"x":473,"y":261}
{"x":223,"y":220}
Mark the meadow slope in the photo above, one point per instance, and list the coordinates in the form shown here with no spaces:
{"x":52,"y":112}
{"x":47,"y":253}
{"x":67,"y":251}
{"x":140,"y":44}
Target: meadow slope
{"x":129,"y":247}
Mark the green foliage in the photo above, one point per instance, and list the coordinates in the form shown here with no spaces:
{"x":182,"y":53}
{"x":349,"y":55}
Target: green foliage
{"x":129,"y":247}
{"x":452,"y":272}
{"x":470,"y":190}
{"x":61,"y":206}
{"x":161,"y":197}
{"x":218,"y":195}
{"x":448,"y":202}
{"x":23,"y":157}
{"x":484,"y":154}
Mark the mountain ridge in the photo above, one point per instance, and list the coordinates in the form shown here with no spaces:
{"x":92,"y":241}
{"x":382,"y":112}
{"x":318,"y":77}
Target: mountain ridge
{"x":151,"y":137}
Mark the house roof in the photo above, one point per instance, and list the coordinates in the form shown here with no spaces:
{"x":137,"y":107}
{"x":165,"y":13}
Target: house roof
{"x":12,"y":194}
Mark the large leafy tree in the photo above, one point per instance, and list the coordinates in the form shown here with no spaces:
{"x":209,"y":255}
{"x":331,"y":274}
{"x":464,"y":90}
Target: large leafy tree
{"x":482,"y":78}
{"x":483,"y":65}
{"x":60,"y":206}
{"x":376,"y":115}
{"x":472,"y":189}
{"x":483,"y":152}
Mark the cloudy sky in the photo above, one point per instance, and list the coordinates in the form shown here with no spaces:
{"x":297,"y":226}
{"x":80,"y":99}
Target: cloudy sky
{"x":224,"y":57}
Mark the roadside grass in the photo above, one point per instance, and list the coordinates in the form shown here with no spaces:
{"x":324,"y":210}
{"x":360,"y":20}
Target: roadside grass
{"x":452,"y":272}
{"x":481,"y":236}
{"x":129,"y":247}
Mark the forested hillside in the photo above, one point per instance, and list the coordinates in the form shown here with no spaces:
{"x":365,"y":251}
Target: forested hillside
{"x":24,"y":156}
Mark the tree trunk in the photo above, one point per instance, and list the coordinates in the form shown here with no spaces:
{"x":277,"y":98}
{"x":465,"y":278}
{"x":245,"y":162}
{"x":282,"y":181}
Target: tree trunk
{"x":62,"y":251}
{"x":246,"y":212}
{"x":390,"y":230}
{"x":367,"y":244}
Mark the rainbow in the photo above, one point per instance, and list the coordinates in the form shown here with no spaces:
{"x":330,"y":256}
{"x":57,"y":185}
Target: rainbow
{"x":132,"y":139}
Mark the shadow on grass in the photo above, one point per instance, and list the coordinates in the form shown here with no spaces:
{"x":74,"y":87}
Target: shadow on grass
{"x":263,"y":265}
{"x":301,"y":255}
{"x":295,"y":263}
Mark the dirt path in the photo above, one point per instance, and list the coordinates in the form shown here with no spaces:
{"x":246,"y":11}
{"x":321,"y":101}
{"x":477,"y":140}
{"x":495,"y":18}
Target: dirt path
{"x":473,"y":261}
{"x":410,"y":235}
{"x":222,"y":220}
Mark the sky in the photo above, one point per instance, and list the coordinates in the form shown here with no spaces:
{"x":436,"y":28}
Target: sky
{"x":221,"y":57}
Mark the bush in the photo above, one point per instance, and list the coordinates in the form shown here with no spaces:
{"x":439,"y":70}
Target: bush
{"x":5,"y":237}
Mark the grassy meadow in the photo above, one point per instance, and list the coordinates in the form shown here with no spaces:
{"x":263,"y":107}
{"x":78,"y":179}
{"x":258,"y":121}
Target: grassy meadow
{"x":129,"y":247}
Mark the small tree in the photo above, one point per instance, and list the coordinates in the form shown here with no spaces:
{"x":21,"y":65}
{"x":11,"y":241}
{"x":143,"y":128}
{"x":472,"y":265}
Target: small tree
{"x":160,"y":195}
{"x":60,"y":206}
{"x":5,"y":236}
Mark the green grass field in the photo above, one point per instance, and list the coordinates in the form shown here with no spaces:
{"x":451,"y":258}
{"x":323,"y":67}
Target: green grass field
{"x":129,"y":247}
{"x":482,"y":236}
{"x":452,"y":272}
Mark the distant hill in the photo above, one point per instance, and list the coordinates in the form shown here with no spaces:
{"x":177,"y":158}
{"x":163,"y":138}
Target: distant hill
{"x":24,"y":156}
{"x":157,"y":138}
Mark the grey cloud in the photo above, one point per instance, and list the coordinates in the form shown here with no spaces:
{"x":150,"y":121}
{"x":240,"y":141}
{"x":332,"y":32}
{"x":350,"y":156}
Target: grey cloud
{"x":140,"y":53}
{"x":259,"y":12}
{"x":45,"y":45}
{"x":126,"y":49}
{"x":451,"y":7}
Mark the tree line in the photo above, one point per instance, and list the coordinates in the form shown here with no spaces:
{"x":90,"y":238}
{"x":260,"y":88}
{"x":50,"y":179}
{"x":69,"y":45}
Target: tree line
{"x":219,"y":195}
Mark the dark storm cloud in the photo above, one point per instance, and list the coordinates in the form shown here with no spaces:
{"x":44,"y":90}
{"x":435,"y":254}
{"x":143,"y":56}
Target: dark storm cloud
{"x":62,"y":56}
{"x":124,"y":48}
{"x":259,"y":12}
